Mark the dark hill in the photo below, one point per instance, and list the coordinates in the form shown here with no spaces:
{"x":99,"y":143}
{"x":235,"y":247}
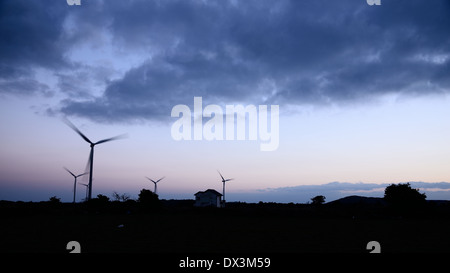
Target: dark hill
{"x":358,"y":200}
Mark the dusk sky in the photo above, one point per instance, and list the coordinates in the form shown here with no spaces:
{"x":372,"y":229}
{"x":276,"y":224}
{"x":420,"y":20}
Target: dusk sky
{"x":363,"y":94}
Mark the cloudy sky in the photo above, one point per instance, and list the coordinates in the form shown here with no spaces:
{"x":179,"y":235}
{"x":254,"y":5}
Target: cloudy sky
{"x":363,"y":93}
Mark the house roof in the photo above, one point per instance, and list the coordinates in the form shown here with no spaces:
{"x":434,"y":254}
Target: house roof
{"x":209,"y":191}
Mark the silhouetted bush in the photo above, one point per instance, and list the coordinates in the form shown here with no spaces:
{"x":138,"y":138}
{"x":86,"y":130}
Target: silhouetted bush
{"x":148,"y":199}
{"x":102,"y":198}
{"x":99,"y":202}
{"x":54,"y":200}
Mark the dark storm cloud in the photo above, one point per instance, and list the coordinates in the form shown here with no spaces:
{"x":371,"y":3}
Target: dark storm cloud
{"x":30,"y":34}
{"x":284,"y":52}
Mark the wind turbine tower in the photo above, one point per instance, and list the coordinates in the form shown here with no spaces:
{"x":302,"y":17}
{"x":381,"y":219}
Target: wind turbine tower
{"x":223,"y":181}
{"x":75,"y":182}
{"x":91,"y":155}
{"x":155,"y":182}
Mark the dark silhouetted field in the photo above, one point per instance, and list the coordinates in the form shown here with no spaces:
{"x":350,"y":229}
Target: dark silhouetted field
{"x":239,"y":228}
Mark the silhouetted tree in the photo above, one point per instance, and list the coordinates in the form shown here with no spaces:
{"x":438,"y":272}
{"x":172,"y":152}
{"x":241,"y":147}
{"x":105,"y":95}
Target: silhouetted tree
{"x":102,"y":198}
{"x":116,"y":196}
{"x":318,"y":200}
{"x":148,"y":198}
{"x":402,"y":195}
{"x":99,"y":202}
{"x":120,"y":197}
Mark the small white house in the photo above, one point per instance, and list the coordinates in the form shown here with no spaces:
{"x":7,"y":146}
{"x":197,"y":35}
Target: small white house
{"x":208,"y":198}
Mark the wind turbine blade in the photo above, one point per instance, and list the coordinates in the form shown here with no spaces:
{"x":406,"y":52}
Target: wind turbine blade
{"x":69,"y":171}
{"x":88,"y":164}
{"x":229,"y":179}
{"x":110,"y":139}
{"x":150,"y":179}
{"x":160,"y":179}
{"x":221,"y":175}
{"x":82,"y":174}
{"x":70,"y":124}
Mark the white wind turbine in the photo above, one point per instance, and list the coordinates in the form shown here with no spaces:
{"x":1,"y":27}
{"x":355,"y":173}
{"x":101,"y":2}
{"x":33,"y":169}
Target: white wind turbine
{"x":75,"y":182}
{"x":155,"y":182}
{"x":223,"y":181}
{"x":91,"y":155}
